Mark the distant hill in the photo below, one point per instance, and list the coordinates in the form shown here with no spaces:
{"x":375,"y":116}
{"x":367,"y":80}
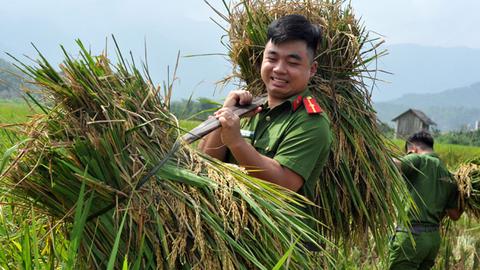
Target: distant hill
{"x":421,"y":69}
{"x":462,"y":96}
{"x":10,"y":81}
{"x":451,"y":109}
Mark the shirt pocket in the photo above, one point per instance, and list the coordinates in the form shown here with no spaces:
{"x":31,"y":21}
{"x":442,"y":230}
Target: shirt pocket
{"x":267,"y":146}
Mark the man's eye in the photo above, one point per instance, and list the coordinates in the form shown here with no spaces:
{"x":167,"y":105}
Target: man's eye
{"x":293,"y":63}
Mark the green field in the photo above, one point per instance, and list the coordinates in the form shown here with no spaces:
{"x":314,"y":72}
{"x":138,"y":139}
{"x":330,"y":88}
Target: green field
{"x":25,"y":241}
{"x":14,"y":112}
{"x":451,"y":154}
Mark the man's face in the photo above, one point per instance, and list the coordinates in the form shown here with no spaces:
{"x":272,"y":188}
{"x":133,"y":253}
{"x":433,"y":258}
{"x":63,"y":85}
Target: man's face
{"x":286,"y":69}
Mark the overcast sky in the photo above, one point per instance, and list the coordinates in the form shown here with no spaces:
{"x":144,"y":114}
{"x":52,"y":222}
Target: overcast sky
{"x":442,"y":23}
{"x":185,"y":26}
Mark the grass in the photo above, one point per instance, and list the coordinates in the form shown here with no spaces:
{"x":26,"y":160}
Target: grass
{"x":460,"y":248}
{"x":106,"y":130}
{"x":14,"y":111}
{"x":461,"y":245}
{"x":189,"y":124}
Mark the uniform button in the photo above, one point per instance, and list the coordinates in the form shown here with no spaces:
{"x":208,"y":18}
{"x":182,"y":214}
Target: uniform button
{"x":267,"y":118}
{"x":255,"y":142}
{"x":268,"y":148}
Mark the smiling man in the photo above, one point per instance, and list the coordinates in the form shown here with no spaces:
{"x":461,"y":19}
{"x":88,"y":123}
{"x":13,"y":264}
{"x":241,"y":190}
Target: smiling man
{"x":288,"y":139}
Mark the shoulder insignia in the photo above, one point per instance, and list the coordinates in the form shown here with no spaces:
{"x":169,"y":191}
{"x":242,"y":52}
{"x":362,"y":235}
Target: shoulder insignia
{"x":296,"y":103}
{"x":311,"y":105}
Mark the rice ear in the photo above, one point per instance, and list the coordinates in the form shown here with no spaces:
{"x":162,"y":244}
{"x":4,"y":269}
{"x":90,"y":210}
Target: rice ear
{"x":467,"y":177}
{"x":104,"y":128}
{"x":360,"y":188}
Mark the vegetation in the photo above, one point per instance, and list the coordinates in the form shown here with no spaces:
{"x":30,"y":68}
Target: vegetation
{"x":468,"y":177}
{"x":462,"y":137}
{"x":453,"y":155}
{"x":10,"y":81}
{"x":14,"y":111}
{"x":453,"y":109}
{"x":19,"y":227}
{"x":76,"y":192}
{"x":198,"y":109}
{"x":386,"y":130}
{"x":360,"y":189}
{"x":86,"y":165}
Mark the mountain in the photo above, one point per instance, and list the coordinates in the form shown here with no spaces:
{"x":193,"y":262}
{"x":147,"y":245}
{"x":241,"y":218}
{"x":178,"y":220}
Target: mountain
{"x":421,"y":69}
{"x":415,"y":69}
{"x":461,"y":96}
{"x":202,"y":60}
{"x":451,"y":109}
{"x":10,"y":81}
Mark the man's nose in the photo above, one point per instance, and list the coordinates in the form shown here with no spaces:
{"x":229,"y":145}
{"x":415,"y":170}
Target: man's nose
{"x":280,"y":67}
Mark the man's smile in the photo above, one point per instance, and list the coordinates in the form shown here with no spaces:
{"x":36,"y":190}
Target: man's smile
{"x":276,"y":79}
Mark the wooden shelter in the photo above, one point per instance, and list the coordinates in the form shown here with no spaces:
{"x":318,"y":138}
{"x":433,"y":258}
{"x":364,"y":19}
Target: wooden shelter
{"x":411,"y":121}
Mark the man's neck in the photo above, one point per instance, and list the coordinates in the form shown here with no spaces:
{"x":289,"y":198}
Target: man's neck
{"x":425,"y":151}
{"x":273,"y":102}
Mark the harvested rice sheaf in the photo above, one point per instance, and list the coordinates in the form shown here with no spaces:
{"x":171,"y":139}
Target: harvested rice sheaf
{"x":85,"y":160}
{"x":360,"y":189}
{"x":468,"y":180}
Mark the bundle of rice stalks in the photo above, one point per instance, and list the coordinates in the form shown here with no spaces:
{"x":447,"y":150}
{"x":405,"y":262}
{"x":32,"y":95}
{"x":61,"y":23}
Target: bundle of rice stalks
{"x":360,"y":188}
{"x":468,"y":180}
{"x":105,"y":157}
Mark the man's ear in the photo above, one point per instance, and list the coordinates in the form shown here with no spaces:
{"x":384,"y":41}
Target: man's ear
{"x":313,"y":68}
{"x":413,"y":149}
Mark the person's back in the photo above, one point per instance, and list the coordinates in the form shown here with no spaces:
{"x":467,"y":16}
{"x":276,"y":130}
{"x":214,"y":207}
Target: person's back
{"x":431,"y":187}
{"x":435,"y":195}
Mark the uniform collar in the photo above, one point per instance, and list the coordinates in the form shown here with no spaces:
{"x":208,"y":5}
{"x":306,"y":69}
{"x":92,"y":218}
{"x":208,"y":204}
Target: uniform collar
{"x":291,"y":101}
{"x":433,"y":154}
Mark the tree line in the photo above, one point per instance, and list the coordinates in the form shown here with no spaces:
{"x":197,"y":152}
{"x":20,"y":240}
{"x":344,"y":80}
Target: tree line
{"x":190,"y":109}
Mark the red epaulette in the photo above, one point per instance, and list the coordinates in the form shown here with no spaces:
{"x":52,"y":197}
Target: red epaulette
{"x":296,"y":103}
{"x":311,"y":105}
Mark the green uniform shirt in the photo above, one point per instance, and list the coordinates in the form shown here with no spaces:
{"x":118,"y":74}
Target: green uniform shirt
{"x":431,"y":186}
{"x":296,"y":139}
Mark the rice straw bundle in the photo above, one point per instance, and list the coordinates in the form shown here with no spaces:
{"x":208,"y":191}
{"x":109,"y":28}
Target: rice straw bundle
{"x":468,"y":180}
{"x":360,"y":188}
{"x":104,"y":131}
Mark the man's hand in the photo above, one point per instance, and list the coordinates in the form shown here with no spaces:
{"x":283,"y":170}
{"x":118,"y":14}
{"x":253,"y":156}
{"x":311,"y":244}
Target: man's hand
{"x":230,"y":131}
{"x":235,"y":97}
{"x":215,"y":144}
{"x":228,"y":136}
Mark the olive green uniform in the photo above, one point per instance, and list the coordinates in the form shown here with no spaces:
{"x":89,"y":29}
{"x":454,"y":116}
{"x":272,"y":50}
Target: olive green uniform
{"x":433,"y":191}
{"x":293,"y":136}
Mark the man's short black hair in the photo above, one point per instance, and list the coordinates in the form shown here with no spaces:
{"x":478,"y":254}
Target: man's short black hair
{"x":294,"y":27}
{"x":422,"y":138}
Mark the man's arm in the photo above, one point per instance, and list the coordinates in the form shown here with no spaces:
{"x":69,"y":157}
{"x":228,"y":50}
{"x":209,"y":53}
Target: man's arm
{"x":454,"y":207}
{"x":212,"y":144}
{"x":247,"y":156}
